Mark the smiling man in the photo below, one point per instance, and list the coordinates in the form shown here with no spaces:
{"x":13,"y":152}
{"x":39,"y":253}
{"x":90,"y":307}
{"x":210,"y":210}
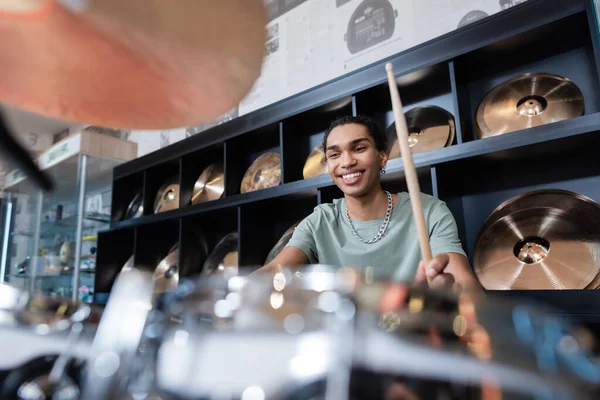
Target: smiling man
{"x":370,"y":226}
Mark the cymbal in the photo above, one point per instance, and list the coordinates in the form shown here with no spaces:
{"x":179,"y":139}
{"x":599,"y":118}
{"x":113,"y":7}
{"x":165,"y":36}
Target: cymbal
{"x":429,"y":128}
{"x":210,"y":185}
{"x":225,"y":254}
{"x":166,"y":273}
{"x":136,"y":207}
{"x":136,"y":64}
{"x":281,"y":243}
{"x":265,"y":172}
{"x":315,"y":164}
{"x":546,"y":239}
{"x":167,"y":197}
{"x":529,"y":100}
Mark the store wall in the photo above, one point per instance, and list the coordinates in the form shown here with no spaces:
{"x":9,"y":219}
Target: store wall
{"x":310,"y":42}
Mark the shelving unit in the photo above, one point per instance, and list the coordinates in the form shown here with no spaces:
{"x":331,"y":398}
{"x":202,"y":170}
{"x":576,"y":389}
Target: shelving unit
{"x":45,"y":225}
{"x":473,"y":176}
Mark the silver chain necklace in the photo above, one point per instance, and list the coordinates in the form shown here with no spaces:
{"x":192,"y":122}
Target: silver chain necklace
{"x":382,"y":228}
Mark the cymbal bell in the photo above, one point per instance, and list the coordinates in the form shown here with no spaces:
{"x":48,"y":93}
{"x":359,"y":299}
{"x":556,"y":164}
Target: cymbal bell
{"x":225,"y":254}
{"x":281,"y":243}
{"x":210,"y":185}
{"x":264,"y":172}
{"x":315,"y":164}
{"x":528,"y":100}
{"x":546,"y":239}
{"x":167,"y":197}
{"x":135,"y":64}
{"x":429,"y":128}
{"x":166,"y":273}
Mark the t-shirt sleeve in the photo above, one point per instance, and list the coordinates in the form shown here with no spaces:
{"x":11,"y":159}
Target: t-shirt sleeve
{"x":443,"y":231}
{"x":303,"y":238}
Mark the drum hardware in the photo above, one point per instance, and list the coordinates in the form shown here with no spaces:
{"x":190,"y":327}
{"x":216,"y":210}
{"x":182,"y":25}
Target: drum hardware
{"x":210,"y":185}
{"x":167,"y":197}
{"x":372,"y":22}
{"x":429,"y":128}
{"x":315,"y":164}
{"x":264,"y":172}
{"x":544,"y":239}
{"x":528,"y":100}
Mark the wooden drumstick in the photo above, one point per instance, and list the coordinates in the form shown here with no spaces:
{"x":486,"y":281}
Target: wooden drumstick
{"x":409,"y":167}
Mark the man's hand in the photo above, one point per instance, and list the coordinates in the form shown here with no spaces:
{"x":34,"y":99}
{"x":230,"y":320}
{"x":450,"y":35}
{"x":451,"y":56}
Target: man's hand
{"x":437,"y":274}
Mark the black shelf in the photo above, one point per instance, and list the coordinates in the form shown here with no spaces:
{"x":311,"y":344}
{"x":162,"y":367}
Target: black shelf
{"x":472,"y":175}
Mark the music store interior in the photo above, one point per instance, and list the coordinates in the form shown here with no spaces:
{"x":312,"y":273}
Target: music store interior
{"x":306,"y":199}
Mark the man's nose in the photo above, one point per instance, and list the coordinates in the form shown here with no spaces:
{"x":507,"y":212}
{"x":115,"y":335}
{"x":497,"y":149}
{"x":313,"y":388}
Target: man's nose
{"x":348,"y":160}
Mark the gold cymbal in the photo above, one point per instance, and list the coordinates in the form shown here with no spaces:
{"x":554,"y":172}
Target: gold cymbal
{"x":429,"y":128}
{"x":225,"y":254}
{"x":265,"y":172}
{"x":529,"y":100}
{"x":546,"y":239}
{"x":167,"y":197}
{"x":166,"y":273}
{"x":315,"y":164}
{"x":281,"y":243}
{"x":210,"y":185}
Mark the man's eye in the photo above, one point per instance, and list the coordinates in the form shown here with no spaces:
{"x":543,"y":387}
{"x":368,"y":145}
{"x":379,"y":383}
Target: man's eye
{"x":333,"y":155}
{"x":359,"y":149}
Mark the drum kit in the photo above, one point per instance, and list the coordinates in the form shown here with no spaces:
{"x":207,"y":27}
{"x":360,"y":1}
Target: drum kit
{"x":309,"y":332}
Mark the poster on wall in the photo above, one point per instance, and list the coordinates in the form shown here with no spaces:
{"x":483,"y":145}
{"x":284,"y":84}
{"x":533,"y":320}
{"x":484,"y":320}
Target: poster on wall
{"x":310,"y":42}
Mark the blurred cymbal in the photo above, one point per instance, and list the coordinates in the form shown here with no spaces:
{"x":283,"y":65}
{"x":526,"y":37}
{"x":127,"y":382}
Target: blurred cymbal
{"x":167,"y":197}
{"x":225,"y":254}
{"x":315,"y":164}
{"x":429,"y":128}
{"x":546,"y":239}
{"x":135,"y":64}
{"x":166,"y":273}
{"x":136,"y":207}
{"x":265,"y":172}
{"x":529,"y":100}
{"x":281,"y":243}
{"x":210,"y":185}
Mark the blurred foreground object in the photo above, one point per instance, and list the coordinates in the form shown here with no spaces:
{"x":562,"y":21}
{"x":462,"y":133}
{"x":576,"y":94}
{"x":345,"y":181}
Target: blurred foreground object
{"x":137,"y":64}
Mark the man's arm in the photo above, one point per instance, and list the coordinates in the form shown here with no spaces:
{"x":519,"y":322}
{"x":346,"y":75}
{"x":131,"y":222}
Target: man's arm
{"x":446,"y":269}
{"x":288,"y":257}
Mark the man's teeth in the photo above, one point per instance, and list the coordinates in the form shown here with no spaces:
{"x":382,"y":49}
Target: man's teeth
{"x":350,"y":176}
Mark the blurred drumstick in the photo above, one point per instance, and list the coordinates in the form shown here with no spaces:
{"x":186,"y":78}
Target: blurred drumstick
{"x":409,"y":167}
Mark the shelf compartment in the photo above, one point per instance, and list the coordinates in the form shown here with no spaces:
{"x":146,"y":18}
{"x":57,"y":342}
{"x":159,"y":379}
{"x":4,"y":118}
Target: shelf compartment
{"x":304,"y":132}
{"x":192,"y":166}
{"x":563,"y":47}
{"x":263,"y":223}
{"x":430,"y":86}
{"x":474,"y":187}
{"x":124,"y":191}
{"x":115,"y":247}
{"x":153,"y":243}
{"x":201,"y":233}
{"x":242,"y":151}
{"x":155,"y":178}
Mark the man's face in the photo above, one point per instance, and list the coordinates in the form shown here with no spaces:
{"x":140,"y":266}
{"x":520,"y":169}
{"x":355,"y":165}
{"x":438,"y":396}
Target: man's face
{"x":353,"y":161}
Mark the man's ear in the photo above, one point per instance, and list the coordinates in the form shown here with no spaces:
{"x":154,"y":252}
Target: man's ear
{"x":384,"y":158}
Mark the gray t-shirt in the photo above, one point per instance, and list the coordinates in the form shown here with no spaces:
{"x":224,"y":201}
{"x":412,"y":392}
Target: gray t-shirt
{"x":326,"y":238}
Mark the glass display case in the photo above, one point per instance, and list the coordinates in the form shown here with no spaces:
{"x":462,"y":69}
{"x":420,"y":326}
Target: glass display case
{"x":49,"y":239}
